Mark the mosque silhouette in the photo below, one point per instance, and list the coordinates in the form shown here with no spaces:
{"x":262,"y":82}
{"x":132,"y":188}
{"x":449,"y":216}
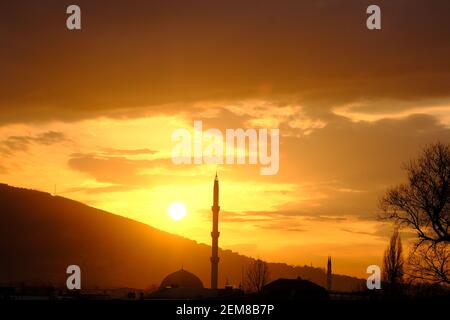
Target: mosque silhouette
{"x":183,"y":284}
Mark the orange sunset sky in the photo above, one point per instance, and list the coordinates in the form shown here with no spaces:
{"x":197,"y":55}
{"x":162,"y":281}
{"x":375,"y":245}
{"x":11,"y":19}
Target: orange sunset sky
{"x":92,"y":112}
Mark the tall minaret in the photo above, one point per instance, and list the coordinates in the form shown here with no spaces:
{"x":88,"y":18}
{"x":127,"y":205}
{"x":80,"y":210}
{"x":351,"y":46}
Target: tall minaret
{"x":329,"y":274}
{"x":215,"y":235}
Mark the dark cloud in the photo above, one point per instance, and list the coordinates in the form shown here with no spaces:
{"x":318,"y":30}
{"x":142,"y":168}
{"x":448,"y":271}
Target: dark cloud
{"x":21,"y":143}
{"x":282,"y":225}
{"x":383,"y":231}
{"x":357,"y":232}
{"x":271,"y":220}
{"x":327,"y":218}
{"x":98,"y":190}
{"x":50,"y":137}
{"x":123,"y":171}
{"x":127,"y":152}
{"x":14,"y":143}
{"x":241,"y":217}
{"x":386,"y":106}
{"x":248,"y":216}
{"x":117,"y":170}
{"x":133,"y":57}
{"x":361,"y":154}
{"x":262,"y":219}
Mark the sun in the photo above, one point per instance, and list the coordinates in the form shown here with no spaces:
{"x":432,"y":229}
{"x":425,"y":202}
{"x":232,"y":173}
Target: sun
{"x":177,"y":211}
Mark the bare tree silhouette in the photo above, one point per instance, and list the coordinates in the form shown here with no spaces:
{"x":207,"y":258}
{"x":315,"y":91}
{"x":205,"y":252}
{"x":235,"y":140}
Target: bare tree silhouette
{"x":393,"y":263}
{"x":424,"y":202}
{"x":256,"y":276}
{"x":423,"y":205}
{"x":430,"y":263}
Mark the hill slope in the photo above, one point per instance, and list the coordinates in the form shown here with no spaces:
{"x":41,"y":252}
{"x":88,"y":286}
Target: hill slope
{"x":40,"y":235}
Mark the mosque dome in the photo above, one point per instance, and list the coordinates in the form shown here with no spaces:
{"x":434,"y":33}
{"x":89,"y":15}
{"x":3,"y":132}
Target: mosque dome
{"x":181,"y":279}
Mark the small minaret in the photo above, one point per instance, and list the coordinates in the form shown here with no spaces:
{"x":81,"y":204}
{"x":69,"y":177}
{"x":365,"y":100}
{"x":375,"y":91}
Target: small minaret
{"x":215,"y":235}
{"x":329,"y":274}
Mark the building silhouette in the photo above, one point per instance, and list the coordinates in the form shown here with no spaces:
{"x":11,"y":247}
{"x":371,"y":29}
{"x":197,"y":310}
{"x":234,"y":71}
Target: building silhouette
{"x":329,"y":274}
{"x":183,"y":284}
{"x":215,"y":235}
{"x":293,"y":289}
{"x":181,"y":279}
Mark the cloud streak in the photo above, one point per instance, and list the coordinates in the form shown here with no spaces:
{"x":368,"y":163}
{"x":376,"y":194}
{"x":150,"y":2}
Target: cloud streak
{"x":14,"y":144}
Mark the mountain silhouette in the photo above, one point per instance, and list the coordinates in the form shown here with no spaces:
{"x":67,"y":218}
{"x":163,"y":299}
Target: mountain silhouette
{"x":41,"y":234}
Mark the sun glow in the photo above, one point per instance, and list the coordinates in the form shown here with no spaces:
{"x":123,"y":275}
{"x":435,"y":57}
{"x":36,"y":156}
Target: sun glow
{"x":177,"y":211}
